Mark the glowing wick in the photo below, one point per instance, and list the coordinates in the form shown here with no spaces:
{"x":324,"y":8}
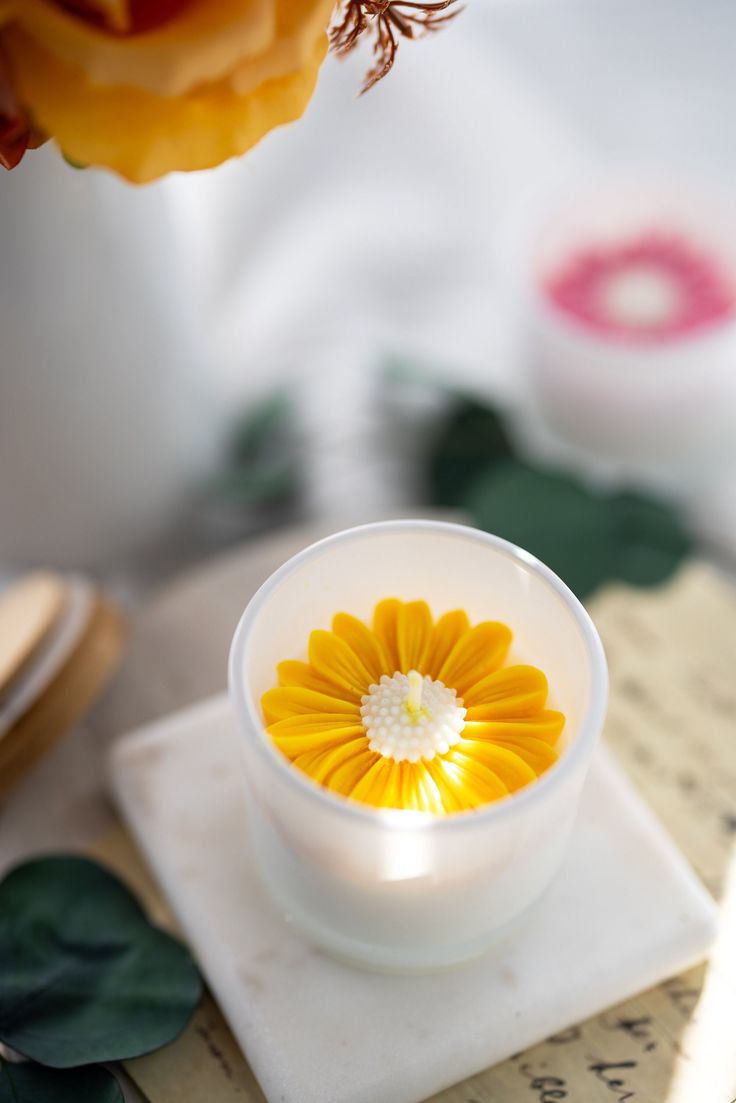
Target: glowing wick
{"x":413,"y":702}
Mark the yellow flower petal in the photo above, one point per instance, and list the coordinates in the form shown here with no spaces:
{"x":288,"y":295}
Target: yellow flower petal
{"x":324,"y":765}
{"x":291,"y":672}
{"x":385,"y":625}
{"x":284,"y":701}
{"x":422,"y":793}
{"x":504,"y":762}
{"x":511,"y":691}
{"x":536,"y":753}
{"x":507,"y":741}
{"x":320,"y":740}
{"x":346,"y":776}
{"x":545,"y":725}
{"x":476,"y":655}
{"x":336,"y":662}
{"x":456,"y":790}
{"x":142,"y":136}
{"x":446,"y":633}
{"x":377,"y":784}
{"x":364,"y":643}
{"x":480,"y":781}
{"x":413,"y":635}
{"x":304,"y":723}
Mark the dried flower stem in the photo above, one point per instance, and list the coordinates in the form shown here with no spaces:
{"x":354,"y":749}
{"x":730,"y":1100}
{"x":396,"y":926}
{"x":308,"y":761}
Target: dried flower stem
{"x":389,"y":21}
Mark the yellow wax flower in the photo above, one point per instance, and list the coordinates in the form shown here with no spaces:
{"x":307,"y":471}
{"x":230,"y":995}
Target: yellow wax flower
{"x":413,"y":714}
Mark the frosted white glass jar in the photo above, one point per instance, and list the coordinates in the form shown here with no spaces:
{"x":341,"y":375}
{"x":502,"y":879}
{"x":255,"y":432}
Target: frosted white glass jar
{"x":396,"y":889}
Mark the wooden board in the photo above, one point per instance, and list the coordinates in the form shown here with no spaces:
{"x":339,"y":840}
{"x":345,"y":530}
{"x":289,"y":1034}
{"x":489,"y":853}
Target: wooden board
{"x":69,"y":696}
{"x":672,"y":723}
{"x":29,"y":608}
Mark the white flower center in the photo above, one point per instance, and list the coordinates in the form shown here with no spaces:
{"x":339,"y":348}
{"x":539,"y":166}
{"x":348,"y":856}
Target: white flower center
{"x":408,"y":717}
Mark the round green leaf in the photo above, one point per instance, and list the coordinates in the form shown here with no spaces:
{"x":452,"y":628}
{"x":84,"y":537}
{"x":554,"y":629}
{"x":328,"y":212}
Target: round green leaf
{"x":473,"y":438}
{"x":85,"y":976}
{"x":29,"y":1083}
{"x":651,"y":540}
{"x":586,"y":537}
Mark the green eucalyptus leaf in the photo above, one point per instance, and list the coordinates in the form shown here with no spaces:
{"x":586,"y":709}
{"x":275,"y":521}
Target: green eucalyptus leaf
{"x":261,"y":468}
{"x":263,"y":486}
{"x":586,"y":537}
{"x":85,"y":976}
{"x":260,"y":425}
{"x":29,"y":1083}
{"x":652,"y":541}
{"x":473,"y":439}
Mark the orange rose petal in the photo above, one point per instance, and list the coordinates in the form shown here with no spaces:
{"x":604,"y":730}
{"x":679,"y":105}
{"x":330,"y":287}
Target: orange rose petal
{"x":299,"y":23}
{"x":142,"y":136}
{"x":200,"y":45}
{"x":115,"y":15}
{"x":15,"y":134}
{"x":15,"y":127}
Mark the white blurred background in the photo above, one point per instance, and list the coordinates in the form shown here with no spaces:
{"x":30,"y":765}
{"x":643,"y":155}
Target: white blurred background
{"x":138,"y":324}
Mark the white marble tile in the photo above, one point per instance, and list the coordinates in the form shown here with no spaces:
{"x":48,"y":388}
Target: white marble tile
{"x":624,"y":912}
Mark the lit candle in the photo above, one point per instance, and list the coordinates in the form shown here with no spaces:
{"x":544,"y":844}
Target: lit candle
{"x":397,"y":825}
{"x":360,"y":719}
{"x":631,"y":321}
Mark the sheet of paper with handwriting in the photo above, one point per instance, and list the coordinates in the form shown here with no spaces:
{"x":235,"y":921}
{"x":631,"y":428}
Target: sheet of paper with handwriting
{"x":672,"y":724}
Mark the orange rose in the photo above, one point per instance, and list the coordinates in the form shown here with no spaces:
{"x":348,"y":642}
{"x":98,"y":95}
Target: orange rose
{"x":145,"y":87}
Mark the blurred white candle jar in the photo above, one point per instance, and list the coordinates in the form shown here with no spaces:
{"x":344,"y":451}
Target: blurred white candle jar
{"x":629,"y":313}
{"x":106,"y":424}
{"x":397,"y":889}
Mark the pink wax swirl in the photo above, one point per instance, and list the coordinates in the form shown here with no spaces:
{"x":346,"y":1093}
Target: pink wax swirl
{"x":654,"y":287}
